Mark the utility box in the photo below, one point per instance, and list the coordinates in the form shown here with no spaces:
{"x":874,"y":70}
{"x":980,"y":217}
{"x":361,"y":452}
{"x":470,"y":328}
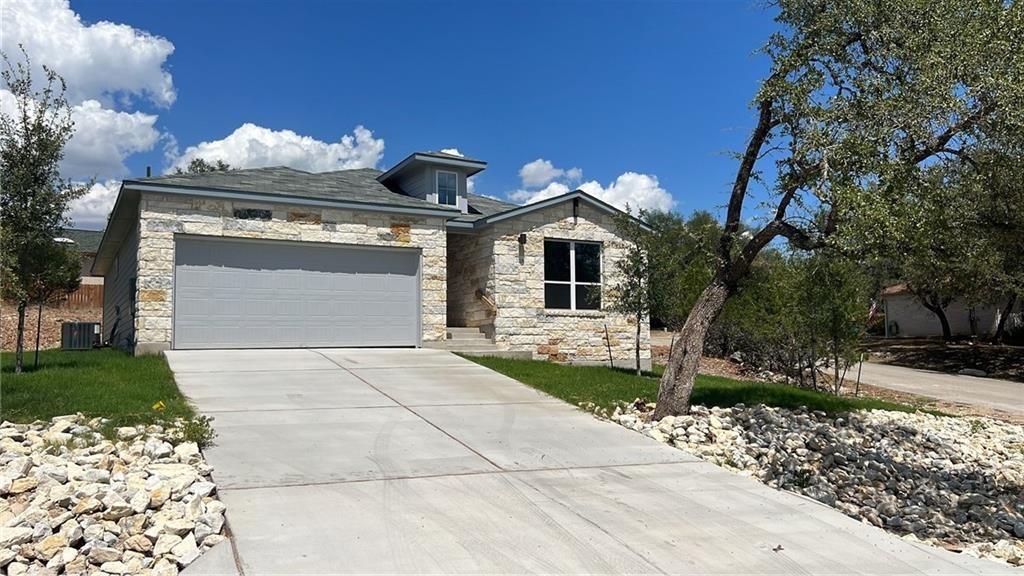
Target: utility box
{"x":79,"y":335}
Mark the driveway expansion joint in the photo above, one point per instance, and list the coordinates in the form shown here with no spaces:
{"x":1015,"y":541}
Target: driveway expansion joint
{"x":396,"y":401}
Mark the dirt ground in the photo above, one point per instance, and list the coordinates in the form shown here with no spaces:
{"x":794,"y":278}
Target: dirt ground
{"x":1007,"y":357}
{"x":1004,"y":362}
{"x":52,"y":319}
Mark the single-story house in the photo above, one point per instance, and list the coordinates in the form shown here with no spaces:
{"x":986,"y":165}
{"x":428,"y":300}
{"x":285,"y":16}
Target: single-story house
{"x":86,"y":243}
{"x":906,"y":317}
{"x":282,"y":258}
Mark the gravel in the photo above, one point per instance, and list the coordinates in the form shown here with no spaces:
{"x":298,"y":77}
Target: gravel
{"x":74,"y":502}
{"x":952,"y":482}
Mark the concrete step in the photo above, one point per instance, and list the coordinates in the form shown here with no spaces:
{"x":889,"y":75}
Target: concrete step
{"x":477,"y":336}
{"x":463,"y":347}
{"x":458,"y":331}
{"x":515,"y":355}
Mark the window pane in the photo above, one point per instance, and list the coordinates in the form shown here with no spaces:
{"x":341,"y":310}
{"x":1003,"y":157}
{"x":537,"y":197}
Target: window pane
{"x":588,"y":297}
{"x":557,"y":296}
{"x":447,"y":188}
{"x":556,"y":260}
{"x":588,"y":262}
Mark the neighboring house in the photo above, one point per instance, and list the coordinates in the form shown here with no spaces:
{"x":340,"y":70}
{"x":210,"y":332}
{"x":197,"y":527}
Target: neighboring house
{"x":277,"y":257}
{"x":86,"y":242}
{"x":905,"y":317}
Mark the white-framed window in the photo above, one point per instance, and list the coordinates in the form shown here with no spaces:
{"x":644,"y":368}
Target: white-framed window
{"x":572,"y":275}
{"x":447,"y":188}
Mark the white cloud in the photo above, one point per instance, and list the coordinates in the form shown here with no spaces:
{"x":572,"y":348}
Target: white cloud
{"x":102,"y":61}
{"x":633,"y":190}
{"x":109,"y":69}
{"x":629,"y":189}
{"x":92,"y":209}
{"x":540,"y":172}
{"x":452,"y":151}
{"x":252,"y":146}
{"x":104,"y":138}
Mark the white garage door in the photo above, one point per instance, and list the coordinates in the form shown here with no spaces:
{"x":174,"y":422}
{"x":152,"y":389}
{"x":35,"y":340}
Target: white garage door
{"x":265,"y":294}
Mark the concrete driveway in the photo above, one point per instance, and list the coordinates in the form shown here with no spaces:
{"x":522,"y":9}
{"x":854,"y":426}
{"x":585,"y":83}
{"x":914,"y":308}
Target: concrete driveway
{"x":417,"y":461}
{"x":986,"y":392}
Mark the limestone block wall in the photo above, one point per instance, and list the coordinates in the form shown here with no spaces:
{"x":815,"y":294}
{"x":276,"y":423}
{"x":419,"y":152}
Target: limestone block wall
{"x":470,"y":259}
{"x":163,"y":216}
{"x":517,"y":276}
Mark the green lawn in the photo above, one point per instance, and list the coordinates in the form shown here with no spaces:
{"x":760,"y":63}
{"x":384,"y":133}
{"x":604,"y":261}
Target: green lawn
{"x":107,"y":383}
{"x":606,"y":387}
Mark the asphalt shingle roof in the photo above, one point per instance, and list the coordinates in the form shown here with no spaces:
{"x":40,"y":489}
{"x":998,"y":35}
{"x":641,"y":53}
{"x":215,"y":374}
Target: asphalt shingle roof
{"x":484,"y":206}
{"x":358,"y":185}
{"x":85,"y":240}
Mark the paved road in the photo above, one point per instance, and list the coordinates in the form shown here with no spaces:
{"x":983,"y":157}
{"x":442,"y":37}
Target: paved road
{"x":988,"y":392}
{"x":417,"y":461}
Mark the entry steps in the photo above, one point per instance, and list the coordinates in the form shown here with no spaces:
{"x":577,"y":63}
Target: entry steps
{"x":472,"y":341}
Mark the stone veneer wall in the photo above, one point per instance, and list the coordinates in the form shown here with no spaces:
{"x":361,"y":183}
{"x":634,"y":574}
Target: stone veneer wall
{"x":517,"y":283}
{"x":469,"y":269}
{"x":162,"y":216}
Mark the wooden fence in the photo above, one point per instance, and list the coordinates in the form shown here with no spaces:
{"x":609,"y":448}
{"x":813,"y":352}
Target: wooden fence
{"x":87,"y":296}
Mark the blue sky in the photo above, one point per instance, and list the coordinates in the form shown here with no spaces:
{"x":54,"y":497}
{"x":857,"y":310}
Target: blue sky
{"x":661,"y":89}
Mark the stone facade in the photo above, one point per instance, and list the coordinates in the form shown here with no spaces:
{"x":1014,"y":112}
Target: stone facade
{"x":161,"y":217}
{"x":470,"y":268}
{"x":512,"y":275}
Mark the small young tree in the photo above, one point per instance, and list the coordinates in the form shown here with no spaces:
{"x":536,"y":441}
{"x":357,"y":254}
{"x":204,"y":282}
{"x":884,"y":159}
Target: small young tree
{"x":33,"y":197}
{"x":55,"y":272}
{"x":631,"y":294}
{"x":832,"y":304}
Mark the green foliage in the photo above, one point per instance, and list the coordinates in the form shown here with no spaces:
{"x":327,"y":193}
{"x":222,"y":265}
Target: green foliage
{"x":683,"y":261}
{"x":630,"y":294}
{"x":795,"y":312}
{"x":863,"y":98}
{"x":33,"y":197}
{"x":200,"y":166}
{"x":107,"y":383}
{"x":198,"y":430}
{"x":53,"y":271}
{"x":606,"y":388}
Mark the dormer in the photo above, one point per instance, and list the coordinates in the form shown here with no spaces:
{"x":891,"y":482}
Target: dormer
{"x":435,"y":177}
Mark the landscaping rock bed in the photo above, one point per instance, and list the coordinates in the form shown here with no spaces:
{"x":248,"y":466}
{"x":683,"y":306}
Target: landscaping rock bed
{"x":76,"y":502}
{"x":952,"y":482}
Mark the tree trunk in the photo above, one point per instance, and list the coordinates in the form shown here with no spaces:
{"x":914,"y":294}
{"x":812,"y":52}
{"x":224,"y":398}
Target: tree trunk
{"x":938,"y":307}
{"x":684,"y":358}
{"x":39,"y":326}
{"x":19,"y":348}
{"x":947,"y":334}
{"x":639,"y":319}
{"x":997,"y":337}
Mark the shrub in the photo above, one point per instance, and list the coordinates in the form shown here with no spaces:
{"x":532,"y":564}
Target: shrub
{"x":198,"y":429}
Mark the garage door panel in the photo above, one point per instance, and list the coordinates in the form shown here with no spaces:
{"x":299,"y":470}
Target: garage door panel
{"x":245,"y":294}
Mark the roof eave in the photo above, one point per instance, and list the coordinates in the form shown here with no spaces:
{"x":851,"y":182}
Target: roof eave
{"x":287,"y":199}
{"x":118,"y":225}
{"x":521,"y":210}
{"x":471,"y":166}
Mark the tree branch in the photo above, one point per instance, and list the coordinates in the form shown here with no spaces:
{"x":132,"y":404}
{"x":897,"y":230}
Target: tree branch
{"x":765,"y":124}
{"x":939,"y":142}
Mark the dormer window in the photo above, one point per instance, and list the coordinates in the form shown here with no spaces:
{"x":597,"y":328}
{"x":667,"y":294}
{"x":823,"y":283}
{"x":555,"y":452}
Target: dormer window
{"x":447,"y":188}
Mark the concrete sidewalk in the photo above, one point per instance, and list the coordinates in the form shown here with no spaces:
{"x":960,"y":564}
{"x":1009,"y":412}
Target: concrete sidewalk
{"x":420,"y":462}
{"x":987,"y":392}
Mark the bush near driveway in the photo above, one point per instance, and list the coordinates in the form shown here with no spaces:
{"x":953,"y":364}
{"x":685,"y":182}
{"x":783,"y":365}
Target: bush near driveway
{"x":107,"y":382}
{"x":606,"y":388}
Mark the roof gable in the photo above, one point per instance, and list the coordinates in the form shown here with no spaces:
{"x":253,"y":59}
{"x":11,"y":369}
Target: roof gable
{"x":515,"y":211}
